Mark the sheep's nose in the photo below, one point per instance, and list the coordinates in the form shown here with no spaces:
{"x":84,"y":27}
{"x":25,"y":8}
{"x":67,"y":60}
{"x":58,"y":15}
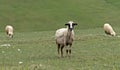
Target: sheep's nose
{"x":71,"y":29}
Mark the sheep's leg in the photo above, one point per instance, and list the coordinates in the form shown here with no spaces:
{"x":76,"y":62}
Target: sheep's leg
{"x":70,"y":50}
{"x":107,"y":33}
{"x":58,"y":48}
{"x":62,"y":51}
{"x":7,"y":32}
{"x":10,"y":35}
{"x":67,"y":52}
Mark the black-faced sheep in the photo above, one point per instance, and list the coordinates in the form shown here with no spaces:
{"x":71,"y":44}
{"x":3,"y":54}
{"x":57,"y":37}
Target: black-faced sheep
{"x":65,"y":37}
{"x":9,"y":31}
{"x":108,"y":29}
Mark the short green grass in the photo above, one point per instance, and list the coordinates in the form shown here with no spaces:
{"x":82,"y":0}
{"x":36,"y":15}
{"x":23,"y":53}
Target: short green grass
{"x":91,"y":50}
{"x":35,"y":21}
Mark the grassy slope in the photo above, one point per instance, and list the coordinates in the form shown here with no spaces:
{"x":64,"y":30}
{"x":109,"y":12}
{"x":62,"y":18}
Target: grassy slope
{"x":90,"y":51}
{"x":30,"y":15}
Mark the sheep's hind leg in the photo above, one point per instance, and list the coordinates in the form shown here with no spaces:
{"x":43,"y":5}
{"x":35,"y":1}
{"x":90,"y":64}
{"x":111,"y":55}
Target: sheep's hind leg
{"x":62,"y":51}
{"x":58,"y":49}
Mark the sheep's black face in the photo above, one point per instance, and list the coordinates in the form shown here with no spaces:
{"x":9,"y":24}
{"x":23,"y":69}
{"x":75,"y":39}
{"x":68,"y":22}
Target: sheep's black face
{"x":71,"y":25}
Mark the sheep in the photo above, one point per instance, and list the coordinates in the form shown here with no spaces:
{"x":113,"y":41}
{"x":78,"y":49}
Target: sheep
{"x":109,"y":30}
{"x":9,"y":31}
{"x":65,"y":37}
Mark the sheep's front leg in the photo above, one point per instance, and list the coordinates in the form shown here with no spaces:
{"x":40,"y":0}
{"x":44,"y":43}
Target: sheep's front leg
{"x":69,"y":50}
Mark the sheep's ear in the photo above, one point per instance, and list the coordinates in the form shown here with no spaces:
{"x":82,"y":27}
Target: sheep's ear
{"x":75,"y":24}
{"x":66,"y":24}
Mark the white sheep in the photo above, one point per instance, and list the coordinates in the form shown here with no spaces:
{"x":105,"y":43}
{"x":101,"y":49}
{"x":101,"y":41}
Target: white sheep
{"x":9,"y":31}
{"x":65,"y":37}
{"x":108,"y":29}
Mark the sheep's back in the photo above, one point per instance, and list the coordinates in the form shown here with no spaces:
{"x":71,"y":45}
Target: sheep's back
{"x":108,"y":28}
{"x":9,"y":28}
{"x":61,"y":32}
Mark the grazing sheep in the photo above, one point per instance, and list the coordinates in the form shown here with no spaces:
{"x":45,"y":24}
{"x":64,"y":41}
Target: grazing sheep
{"x":108,"y":29}
{"x":65,"y":37}
{"x":9,"y":31}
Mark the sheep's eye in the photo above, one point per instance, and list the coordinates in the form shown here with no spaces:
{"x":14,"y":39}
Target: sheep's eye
{"x":74,"y":24}
{"x":66,"y":24}
{"x":69,"y":25}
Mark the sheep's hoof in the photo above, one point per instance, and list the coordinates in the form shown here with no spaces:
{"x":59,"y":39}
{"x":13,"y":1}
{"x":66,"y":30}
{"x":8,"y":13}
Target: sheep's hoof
{"x":60,"y":56}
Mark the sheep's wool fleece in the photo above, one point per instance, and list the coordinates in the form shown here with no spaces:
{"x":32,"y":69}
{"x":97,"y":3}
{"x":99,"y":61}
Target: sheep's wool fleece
{"x":62,"y":32}
{"x":108,"y":28}
{"x":9,"y":29}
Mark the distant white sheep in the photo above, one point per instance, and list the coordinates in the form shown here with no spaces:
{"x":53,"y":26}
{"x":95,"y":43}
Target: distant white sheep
{"x":9,"y":31}
{"x":65,"y":37}
{"x":109,"y":30}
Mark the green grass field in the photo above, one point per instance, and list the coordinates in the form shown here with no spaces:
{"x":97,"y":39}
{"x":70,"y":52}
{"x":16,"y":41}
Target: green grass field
{"x":38,"y":51}
{"x":33,"y":46}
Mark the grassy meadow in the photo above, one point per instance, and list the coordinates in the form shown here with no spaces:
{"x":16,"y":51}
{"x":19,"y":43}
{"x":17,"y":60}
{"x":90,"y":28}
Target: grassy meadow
{"x":37,"y":51}
{"x":35,"y":21}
